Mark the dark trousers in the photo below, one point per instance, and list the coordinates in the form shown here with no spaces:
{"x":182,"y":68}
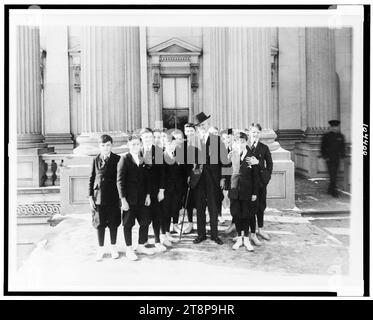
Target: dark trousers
{"x":101,"y":235}
{"x":207,"y":194}
{"x":171,"y":206}
{"x":259,"y":207}
{"x":109,"y":217}
{"x":155,"y":217}
{"x":242,"y":213}
{"x":142,"y":215}
{"x":333,"y":170}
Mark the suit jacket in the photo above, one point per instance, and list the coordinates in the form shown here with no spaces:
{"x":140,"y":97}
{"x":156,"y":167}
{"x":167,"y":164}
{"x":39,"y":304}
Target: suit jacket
{"x":175,"y":175}
{"x":212,"y":156}
{"x":102,"y":184}
{"x":333,"y":146}
{"x":156,"y":171}
{"x":265,"y":164}
{"x":132,"y":180}
{"x":192,"y":168}
{"x":227,"y":171}
{"x":246,"y":182}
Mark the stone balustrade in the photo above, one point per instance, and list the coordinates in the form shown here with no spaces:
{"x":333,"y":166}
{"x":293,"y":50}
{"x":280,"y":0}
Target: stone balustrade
{"x":51,"y":165}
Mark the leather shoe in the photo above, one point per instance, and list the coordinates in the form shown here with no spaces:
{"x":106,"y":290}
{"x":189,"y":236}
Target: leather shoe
{"x":217,"y":240}
{"x":199,"y":239}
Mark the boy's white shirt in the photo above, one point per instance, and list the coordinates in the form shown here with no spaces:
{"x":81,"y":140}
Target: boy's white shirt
{"x":243,"y":154}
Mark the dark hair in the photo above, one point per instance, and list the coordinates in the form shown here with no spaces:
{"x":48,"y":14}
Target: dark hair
{"x":256,"y":125}
{"x":145,"y":130}
{"x":243,"y":135}
{"x":105,"y":138}
{"x":134,"y":136}
{"x":190,"y":125}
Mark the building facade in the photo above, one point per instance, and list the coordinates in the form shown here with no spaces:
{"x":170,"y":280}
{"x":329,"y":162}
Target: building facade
{"x":75,"y":83}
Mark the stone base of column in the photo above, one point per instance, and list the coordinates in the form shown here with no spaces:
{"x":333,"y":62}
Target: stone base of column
{"x":30,"y":167}
{"x":308,"y":161}
{"x":74,"y":176}
{"x":288,"y":137}
{"x":61,"y":142}
{"x":281,"y":188}
{"x":88,"y":143}
{"x":29,"y":140}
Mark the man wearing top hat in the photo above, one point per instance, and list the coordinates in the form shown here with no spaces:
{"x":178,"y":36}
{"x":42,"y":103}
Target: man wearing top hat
{"x":332,"y":150}
{"x":208,"y":180}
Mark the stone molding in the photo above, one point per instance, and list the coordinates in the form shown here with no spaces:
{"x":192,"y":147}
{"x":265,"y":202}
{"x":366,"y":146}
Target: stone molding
{"x":38,"y":209}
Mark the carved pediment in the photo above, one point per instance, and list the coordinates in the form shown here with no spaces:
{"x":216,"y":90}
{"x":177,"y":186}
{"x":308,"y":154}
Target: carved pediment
{"x":175,"y":49}
{"x":174,"y":46}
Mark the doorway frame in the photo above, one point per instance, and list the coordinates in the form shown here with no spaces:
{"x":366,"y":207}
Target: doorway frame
{"x":174,"y":58}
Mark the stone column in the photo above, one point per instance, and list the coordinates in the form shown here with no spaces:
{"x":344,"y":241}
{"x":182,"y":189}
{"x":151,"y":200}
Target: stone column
{"x":321,"y":81}
{"x":110,"y":85}
{"x":249,"y":74}
{"x":321,"y":99}
{"x":237,"y":85}
{"x":144,"y":78}
{"x":215,"y":76}
{"x":56,"y":87}
{"x":343,"y":40}
{"x":30,"y":141}
{"x":29,"y":126}
{"x":292,"y":87}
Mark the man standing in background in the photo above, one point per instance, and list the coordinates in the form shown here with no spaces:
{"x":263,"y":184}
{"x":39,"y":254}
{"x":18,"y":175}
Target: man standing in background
{"x":332,"y":150}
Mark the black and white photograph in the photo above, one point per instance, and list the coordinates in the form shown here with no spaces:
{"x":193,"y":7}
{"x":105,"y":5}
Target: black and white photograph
{"x":186,"y":150}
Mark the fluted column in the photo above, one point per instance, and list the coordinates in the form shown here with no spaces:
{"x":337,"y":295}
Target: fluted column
{"x":237,"y":92}
{"x":110,"y":84}
{"x":321,"y":80}
{"x":215,"y":74}
{"x":29,"y":126}
{"x":250,"y":76}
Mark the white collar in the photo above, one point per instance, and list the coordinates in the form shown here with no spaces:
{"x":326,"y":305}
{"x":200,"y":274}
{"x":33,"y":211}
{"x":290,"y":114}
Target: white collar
{"x":147,"y":149}
{"x":103,"y":157}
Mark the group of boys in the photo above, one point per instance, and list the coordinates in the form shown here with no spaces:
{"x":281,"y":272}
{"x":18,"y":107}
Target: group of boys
{"x":163,"y":172}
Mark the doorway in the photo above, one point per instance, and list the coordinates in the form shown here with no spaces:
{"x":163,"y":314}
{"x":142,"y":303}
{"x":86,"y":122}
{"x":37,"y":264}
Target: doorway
{"x":176,"y":101}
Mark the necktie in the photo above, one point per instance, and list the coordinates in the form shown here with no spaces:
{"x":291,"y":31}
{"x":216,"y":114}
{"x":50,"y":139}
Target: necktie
{"x":103,"y":161}
{"x":253,"y":147}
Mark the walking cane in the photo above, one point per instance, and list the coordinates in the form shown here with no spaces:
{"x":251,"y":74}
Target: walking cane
{"x":185,"y":204}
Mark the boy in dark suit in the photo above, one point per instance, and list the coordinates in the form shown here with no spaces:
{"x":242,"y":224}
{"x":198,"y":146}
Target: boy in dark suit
{"x":134,"y":191}
{"x":243,"y":191}
{"x":261,"y":152}
{"x":190,"y":160}
{"x":103,"y":194}
{"x":153,"y":157}
{"x":175,"y":183}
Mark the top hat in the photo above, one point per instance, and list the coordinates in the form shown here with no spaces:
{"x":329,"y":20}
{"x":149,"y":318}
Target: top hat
{"x":334,"y":123}
{"x":201,"y":117}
